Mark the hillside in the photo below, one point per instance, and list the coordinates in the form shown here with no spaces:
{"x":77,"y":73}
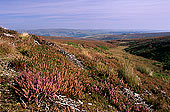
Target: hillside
{"x":152,"y":48}
{"x":46,"y":74}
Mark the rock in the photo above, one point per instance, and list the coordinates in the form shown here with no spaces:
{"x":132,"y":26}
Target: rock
{"x":90,"y":104}
{"x":35,"y":41}
{"x":151,"y":74}
{"x":137,"y":98}
{"x":8,"y":35}
{"x":65,"y":102}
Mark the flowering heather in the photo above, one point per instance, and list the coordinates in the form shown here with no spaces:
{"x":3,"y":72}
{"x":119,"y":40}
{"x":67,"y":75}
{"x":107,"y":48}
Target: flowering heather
{"x":44,"y":75}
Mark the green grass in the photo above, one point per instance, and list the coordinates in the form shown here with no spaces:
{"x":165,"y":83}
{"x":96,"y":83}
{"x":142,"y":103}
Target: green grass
{"x":74,"y":44}
{"x":103,"y":47}
{"x":161,"y":75}
{"x":1,"y":51}
{"x":98,"y":49}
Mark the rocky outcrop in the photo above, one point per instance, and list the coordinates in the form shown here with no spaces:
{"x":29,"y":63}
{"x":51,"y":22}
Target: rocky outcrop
{"x":71,"y":57}
{"x":137,"y":98}
{"x":65,"y":102}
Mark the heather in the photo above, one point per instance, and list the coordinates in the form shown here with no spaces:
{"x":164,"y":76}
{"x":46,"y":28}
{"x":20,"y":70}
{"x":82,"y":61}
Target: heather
{"x":44,"y":75}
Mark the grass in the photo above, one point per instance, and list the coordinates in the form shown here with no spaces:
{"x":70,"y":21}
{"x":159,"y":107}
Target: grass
{"x":143,"y":69}
{"x":127,"y":71}
{"x":41,"y":67}
{"x":86,"y":53}
{"x":98,"y":49}
{"x":103,"y":47}
{"x":6,"y":48}
{"x":161,"y":75}
{"x":24,"y":36}
{"x":74,"y":44}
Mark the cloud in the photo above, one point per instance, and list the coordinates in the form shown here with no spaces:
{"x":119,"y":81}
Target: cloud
{"x":107,"y":14}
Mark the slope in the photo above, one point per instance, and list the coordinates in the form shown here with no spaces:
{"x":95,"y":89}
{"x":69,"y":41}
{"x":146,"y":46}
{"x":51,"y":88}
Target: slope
{"x":44,"y":75}
{"x":153,"y":48}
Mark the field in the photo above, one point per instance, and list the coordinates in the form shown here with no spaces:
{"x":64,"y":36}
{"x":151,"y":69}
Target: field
{"x":40,"y":74}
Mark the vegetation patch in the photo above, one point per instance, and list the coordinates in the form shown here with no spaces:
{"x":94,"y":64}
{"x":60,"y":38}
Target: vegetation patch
{"x":6,"y":48}
{"x":161,"y":75}
{"x":128,"y":73}
{"x":143,"y":69}
{"x":155,"y":49}
{"x":98,"y":49}
{"x":74,"y":44}
{"x":103,"y":47}
{"x":44,"y":73}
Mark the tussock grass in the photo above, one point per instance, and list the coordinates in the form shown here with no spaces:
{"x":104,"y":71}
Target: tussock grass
{"x":6,"y":48}
{"x":86,"y":53}
{"x":104,"y":69}
{"x":24,"y":36}
{"x":101,"y":67}
{"x":127,"y":71}
{"x":143,"y":69}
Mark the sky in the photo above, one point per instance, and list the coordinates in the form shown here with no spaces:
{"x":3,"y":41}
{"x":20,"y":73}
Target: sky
{"x":85,"y":14}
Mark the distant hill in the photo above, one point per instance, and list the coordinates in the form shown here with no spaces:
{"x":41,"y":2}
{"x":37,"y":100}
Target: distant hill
{"x":65,"y":32}
{"x":126,"y":36}
{"x":98,"y":34}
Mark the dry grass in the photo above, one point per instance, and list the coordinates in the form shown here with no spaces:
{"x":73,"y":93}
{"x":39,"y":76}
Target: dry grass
{"x":127,"y":71}
{"x":143,"y":69}
{"x":6,"y":48}
{"x":86,"y":53}
{"x":24,"y":36}
{"x":103,"y":68}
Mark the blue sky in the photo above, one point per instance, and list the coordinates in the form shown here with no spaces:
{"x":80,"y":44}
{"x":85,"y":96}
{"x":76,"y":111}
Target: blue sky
{"x":85,"y":14}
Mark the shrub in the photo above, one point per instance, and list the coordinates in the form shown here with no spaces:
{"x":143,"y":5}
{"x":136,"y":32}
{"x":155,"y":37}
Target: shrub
{"x":38,"y":87}
{"x":12,"y":32}
{"x":167,"y":64}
